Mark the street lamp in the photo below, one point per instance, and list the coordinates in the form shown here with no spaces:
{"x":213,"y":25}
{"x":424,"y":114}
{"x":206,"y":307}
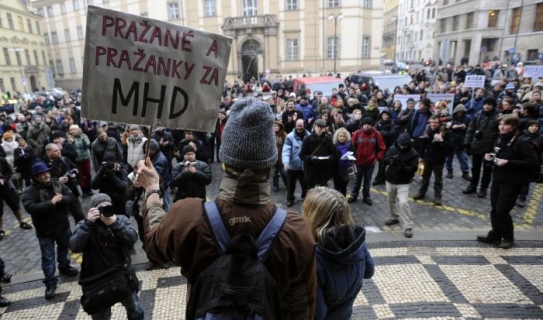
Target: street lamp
{"x":23,"y":80}
{"x":336,"y":19}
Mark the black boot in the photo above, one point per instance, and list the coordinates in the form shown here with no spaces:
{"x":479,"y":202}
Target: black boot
{"x":470,"y":189}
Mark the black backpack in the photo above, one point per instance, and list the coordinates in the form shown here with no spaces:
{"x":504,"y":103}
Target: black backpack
{"x":237,"y":285}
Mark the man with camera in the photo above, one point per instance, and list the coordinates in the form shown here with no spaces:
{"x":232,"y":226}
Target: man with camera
{"x":480,"y":137}
{"x":105,"y":240}
{"x":112,"y":179}
{"x":48,"y":201}
{"x":65,"y":171}
{"x":191,"y":176}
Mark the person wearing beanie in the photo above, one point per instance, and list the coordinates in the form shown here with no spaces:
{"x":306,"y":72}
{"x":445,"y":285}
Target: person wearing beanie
{"x":480,"y":137}
{"x":459,"y":126}
{"x":248,"y":152}
{"x":48,"y":201}
{"x":509,"y":92}
{"x":319,"y":154}
{"x":370,"y":148}
{"x":197,"y":144}
{"x":105,"y":240}
{"x":531,"y":133}
{"x":112,"y":179}
{"x":190,"y":176}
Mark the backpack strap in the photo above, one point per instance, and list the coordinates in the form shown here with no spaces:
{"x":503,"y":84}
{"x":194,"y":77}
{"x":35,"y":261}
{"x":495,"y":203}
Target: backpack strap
{"x":268,"y":235}
{"x":218,"y":230}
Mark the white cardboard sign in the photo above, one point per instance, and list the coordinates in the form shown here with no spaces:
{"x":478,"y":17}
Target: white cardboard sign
{"x":475,"y":81}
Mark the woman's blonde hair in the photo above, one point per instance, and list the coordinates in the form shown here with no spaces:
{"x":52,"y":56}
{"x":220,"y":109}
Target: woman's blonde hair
{"x":75,"y":126}
{"x":342,"y":131}
{"x":325,"y":209}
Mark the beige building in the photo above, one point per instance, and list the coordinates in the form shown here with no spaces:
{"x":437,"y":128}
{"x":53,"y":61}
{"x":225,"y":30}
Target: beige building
{"x":390,"y":21}
{"x":416,"y":26}
{"x":483,"y":30}
{"x":24,"y":58}
{"x":275,"y":36}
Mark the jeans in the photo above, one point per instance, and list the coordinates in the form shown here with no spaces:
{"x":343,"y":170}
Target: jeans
{"x":502,"y":201}
{"x":476,"y":163}
{"x":437,"y":169}
{"x":362,"y":172}
{"x":292,"y":176}
{"x":130,"y":303}
{"x":398,"y":203}
{"x":462,"y":159}
{"x":380,"y":177}
{"x":279,"y":170}
{"x":47,"y":248}
{"x":166,"y":199}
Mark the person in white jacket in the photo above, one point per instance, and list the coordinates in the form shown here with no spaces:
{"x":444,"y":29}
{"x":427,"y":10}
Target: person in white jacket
{"x":135,"y":151}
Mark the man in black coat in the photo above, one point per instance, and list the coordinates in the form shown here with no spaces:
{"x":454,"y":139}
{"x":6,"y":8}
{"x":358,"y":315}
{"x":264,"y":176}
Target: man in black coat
{"x":190,"y":176}
{"x":402,"y":161}
{"x":166,"y":142}
{"x":290,"y":116}
{"x":319,"y":155}
{"x":435,"y":146}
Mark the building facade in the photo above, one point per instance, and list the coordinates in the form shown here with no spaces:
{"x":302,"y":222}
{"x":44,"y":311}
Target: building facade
{"x":24,"y":58}
{"x":287,"y":37}
{"x":416,"y":27}
{"x":488,"y":30}
{"x":390,"y":29}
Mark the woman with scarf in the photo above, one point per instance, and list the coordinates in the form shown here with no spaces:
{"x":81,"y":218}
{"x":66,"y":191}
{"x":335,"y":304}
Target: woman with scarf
{"x":342,"y":140}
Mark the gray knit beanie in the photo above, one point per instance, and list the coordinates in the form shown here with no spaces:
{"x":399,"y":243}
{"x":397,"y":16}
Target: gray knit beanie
{"x":248,"y":140}
{"x":99,"y":198}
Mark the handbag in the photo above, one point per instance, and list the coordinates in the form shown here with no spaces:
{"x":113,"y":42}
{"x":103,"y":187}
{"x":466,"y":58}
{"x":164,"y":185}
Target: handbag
{"x":351,"y":173}
{"x":107,"y":288}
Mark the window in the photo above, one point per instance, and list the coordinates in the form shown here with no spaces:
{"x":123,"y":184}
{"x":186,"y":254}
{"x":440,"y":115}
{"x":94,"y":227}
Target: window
{"x":21,"y":23}
{"x":367,"y":3}
{"x":36,"y":57}
{"x":43,"y":57}
{"x":52,"y":66}
{"x":538,"y":23}
{"x":72,"y":66}
{"x":50,"y":12}
{"x":38,"y":27}
{"x":80,"y":34}
{"x":421,"y":34}
{"x":366,"y":45}
{"x":333,"y":3}
{"x":209,"y":7}
{"x":63,"y":7}
{"x":428,"y":11}
{"x":6,"y":56}
{"x":443,"y":27}
{"x":445,"y":2}
{"x":13,"y":84}
{"x":60,"y":67}
{"x":67,"y":35}
{"x":46,"y":37}
{"x":292,"y":4}
{"x":40,"y":12}
{"x":76,"y":5}
{"x":249,"y":8}
{"x":2,"y":88}
{"x":173,"y":11}
{"x":54,"y":37}
{"x":292,"y":49}
{"x":332,"y":47}
{"x":516,"y":20}
{"x":455,"y":23}
{"x":434,"y":10}
{"x":10,"y":22}
{"x":27,"y":55}
{"x":18,"y":57}
{"x":469,"y":20}
{"x":29,"y":24}
{"x":493,"y":18}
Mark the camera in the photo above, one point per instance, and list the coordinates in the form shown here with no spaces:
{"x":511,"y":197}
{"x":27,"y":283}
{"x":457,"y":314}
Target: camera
{"x":109,"y":164}
{"x":478,"y":135}
{"x":188,"y":164}
{"x":72,"y":175}
{"x":106,"y":211}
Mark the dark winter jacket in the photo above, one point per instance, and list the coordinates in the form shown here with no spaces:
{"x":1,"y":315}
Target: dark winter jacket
{"x":99,"y":148}
{"x":316,"y":170}
{"x":191,"y":185}
{"x":343,"y":262}
{"x":49,"y":219}
{"x":402,"y":163}
{"x":459,"y":134}
{"x":482,"y":133}
{"x":474,"y":106}
{"x":24,"y":158}
{"x":435,"y":152}
{"x":60,"y":167}
{"x":388,"y":131}
{"x":520,"y":155}
{"x":166,"y":136}
{"x":160,"y":162}
{"x":113,"y":183}
{"x":417,"y":124}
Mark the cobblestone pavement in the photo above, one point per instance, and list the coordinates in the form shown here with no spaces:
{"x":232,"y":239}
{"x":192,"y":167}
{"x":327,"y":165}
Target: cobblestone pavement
{"x":400,"y":261}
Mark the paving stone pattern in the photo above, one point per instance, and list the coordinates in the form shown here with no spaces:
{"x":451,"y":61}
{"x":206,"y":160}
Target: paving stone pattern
{"x":415,"y":280}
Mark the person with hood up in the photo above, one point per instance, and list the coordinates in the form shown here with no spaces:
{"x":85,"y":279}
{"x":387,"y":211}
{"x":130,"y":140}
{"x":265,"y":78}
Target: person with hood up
{"x":343,"y":260}
{"x":402,"y":163}
{"x":369,"y":148}
{"x":459,"y":126}
{"x":278,"y":170}
{"x":319,"y":155}
{"x":388,"y":131}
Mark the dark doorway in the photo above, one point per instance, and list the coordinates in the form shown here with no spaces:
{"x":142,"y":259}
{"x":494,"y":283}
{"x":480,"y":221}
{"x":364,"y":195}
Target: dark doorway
{"x":249,"y":59}
{"x":33,"y":86}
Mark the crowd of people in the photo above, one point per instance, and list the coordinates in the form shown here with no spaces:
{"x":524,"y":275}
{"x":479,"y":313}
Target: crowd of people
{"x":267,"y":143}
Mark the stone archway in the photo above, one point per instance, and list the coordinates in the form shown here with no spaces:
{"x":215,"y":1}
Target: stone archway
{"x":250,"y":50}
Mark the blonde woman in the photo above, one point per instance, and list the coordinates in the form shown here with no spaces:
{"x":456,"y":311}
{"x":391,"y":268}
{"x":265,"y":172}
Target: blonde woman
{"x":342,"y":140}
{"x":343,"y":260}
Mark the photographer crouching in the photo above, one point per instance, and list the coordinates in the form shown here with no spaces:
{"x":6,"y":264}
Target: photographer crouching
{"x":64,"y":171}
{"x":105,"y":239}
{"x":112,"y":179}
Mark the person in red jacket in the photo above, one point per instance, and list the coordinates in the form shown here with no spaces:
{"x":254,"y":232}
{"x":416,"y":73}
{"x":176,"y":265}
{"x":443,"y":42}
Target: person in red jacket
{"x":369,"y":149}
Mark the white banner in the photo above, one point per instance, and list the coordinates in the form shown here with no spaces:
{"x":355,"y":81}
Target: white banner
{"x":143,"y":71}
{"x":475,"y":81}
{"x":447,"y":97}
{"x":404,"y":97}
{"x":533,"y":72}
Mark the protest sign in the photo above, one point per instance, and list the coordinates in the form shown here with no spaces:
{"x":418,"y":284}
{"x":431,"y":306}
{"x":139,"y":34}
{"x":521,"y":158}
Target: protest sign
{"x":475,"y":81}
{"x":143,"y":71}
{"x":533,"y":72}
{"x":404,"y":97}
{"x":447,"y":97}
